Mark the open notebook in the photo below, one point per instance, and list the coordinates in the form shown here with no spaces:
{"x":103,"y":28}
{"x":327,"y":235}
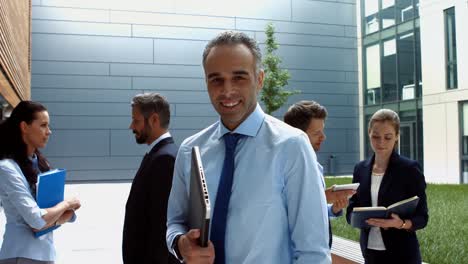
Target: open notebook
{"x":404,"y":209}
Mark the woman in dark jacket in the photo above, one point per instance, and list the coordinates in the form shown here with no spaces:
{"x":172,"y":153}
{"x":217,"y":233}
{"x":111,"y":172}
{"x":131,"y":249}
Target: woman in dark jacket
{"x":387,"y":178}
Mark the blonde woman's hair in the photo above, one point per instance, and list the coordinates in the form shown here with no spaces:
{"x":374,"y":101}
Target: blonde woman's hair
{"x":383,"y":115}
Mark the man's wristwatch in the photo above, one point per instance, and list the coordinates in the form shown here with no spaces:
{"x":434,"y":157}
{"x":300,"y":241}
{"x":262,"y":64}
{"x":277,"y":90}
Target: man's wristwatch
{"x":175,"y":248}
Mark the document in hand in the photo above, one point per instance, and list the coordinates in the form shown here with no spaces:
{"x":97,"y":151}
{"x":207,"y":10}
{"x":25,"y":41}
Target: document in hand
{"x":200,"y":209}
{"x":404,"y":209}
{"x":343,"y":187}
{"x":50,"y":190}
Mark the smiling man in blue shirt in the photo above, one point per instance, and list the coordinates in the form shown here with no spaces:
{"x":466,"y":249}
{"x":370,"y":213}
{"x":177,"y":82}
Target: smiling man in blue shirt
{"x":276,"y":207}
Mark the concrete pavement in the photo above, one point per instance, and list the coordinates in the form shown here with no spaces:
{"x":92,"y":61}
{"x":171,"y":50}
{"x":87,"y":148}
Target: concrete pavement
{"x":96,"y":236}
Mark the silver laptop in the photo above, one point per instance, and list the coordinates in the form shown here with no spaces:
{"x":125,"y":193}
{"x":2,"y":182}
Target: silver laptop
{"x":200,"y":209}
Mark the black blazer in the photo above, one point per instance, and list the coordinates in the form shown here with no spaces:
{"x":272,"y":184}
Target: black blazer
{"x":144,"y":232}
{"x":402,"y":179}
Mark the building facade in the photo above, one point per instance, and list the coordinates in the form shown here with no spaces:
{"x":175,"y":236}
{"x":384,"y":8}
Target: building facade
{"x":89,"y":58}
{"x":445,"y":96}
{"x":409,"y":56}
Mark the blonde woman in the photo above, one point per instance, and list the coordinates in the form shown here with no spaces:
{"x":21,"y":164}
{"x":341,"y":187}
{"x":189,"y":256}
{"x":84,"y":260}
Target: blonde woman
{"x":384,"y":179}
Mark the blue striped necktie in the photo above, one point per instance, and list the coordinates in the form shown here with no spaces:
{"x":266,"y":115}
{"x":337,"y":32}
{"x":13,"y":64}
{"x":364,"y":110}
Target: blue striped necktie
{"x":218,"y":223}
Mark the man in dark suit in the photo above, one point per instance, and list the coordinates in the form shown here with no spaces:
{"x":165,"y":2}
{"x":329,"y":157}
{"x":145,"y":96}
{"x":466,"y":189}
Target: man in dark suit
{"x":144,"y":232}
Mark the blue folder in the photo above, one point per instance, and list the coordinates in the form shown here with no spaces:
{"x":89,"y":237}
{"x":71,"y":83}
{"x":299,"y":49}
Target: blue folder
{"x":49,"y":192}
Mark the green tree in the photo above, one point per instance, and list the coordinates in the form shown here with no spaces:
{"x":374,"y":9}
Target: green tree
{"x":273,"y":93}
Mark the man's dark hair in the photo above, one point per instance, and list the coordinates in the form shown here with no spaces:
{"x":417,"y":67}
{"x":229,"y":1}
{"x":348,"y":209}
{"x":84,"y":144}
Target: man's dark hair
{"x":149,"y":103}
{"x":300,"y":114}
{"x":234,"y":38}
{"x":12,"y":145}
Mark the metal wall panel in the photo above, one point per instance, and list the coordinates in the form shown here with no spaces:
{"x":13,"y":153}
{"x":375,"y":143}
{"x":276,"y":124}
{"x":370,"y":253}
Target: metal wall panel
{"x":91,"y":57}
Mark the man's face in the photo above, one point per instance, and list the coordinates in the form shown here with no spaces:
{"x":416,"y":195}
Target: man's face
{"x":139,"y":126}
{"x":232,"y":83}
{"x":316,"y":133}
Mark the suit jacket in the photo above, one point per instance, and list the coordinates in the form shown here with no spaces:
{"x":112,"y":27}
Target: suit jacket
{"x":402,"y":179}
{"x":144,"y":232}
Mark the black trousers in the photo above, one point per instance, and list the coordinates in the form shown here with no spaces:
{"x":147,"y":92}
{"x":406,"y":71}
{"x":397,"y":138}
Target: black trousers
{"x":377,"y":257}
{"x":384,"y":257}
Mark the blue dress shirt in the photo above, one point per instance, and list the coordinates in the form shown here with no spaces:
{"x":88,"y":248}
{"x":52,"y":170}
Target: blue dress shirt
{"x":331,"y":214}
{"x":22,"y":214}
{"x":277,"y":211}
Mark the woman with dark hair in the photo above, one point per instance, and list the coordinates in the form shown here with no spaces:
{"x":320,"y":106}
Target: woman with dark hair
{"x":21,"y":136}
{"x":387,"y":178}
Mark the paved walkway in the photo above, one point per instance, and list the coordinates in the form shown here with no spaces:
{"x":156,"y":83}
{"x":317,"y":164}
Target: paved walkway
{"x":96,"y":236}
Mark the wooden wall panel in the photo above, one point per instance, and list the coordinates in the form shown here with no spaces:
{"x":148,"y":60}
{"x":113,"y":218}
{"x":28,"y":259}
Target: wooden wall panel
{"x":15,"y":50}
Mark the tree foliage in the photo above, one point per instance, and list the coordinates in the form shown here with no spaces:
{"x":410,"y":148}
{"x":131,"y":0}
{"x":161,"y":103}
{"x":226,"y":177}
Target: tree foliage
{"x":274,"y":95}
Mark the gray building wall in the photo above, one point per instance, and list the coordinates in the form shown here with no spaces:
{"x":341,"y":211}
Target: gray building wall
{"x":89,"y":58}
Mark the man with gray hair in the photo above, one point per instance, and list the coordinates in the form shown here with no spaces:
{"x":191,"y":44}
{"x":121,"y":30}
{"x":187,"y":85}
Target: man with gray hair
{"x":144,"y":232}
{"x":262,"y":175}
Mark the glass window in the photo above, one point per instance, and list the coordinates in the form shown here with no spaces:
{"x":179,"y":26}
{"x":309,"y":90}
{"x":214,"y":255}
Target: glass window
{"x":372,"y":74}
{"x":419,"y":137}
{"x":418,"y":63}
{"x":387,"y":14}
{"x":464,"y":142}
{"x":406,"y":74}
{"x":371,"y":22}
{"x":407,"y":142}
{"x":389,"y":76}
{"x":465,"y":128}
{"x":451,"y":48}
{"x":367,"y":147}
{"x":416,"y":8}
{"x":404,"y":10}
{"x":464,"y":171}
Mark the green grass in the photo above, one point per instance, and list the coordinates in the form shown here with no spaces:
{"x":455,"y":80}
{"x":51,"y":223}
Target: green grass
{"x":445,"y":238}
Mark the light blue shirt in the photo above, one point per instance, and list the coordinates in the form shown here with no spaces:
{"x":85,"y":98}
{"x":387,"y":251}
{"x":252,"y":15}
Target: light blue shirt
{"x":277,"y":211}
{"x":329,"y":206}
{"x":22,"y":214}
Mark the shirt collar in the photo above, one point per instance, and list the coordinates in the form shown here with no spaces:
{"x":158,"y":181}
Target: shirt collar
{"x":34,"y":161}
{"x":249,"y":127}
{"x":159,"y":139}
{"x":33,"y":157}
